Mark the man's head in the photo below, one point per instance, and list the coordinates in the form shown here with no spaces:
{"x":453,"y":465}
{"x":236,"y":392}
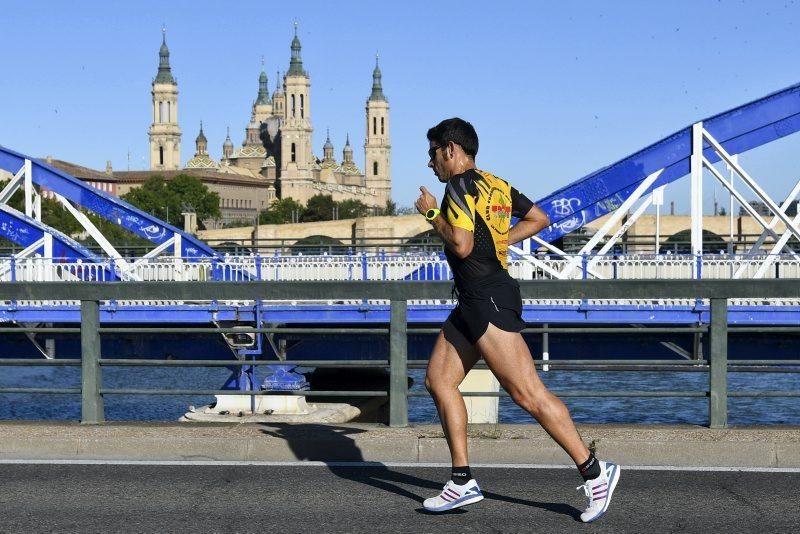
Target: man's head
{"x":453,"y":147}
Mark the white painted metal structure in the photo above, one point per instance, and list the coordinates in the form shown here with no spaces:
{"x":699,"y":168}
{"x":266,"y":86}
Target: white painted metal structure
{"x":33,"y":209}
{"x":755,"y":263}
{"x":410,"y":266}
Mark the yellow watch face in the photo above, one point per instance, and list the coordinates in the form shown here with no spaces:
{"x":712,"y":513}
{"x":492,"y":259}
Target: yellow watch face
{"x":431,"y":214}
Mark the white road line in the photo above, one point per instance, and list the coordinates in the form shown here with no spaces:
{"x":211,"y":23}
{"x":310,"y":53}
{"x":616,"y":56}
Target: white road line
{"x":13,"y":461}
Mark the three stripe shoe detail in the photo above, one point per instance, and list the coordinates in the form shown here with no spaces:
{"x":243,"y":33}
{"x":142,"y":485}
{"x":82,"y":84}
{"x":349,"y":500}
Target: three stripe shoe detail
{"x":599,"y":491}
{"x":454,"y":496}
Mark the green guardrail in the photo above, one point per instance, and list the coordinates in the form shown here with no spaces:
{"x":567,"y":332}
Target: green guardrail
{"x":91,"y":361}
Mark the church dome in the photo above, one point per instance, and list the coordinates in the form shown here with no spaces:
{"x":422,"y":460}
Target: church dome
{"x":201,"y":138}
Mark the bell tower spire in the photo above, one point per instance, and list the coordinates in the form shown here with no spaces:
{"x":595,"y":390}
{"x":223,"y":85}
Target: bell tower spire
{"x":297,"y":159}
{"x":377,"y":145}
{"x":165,"y":134}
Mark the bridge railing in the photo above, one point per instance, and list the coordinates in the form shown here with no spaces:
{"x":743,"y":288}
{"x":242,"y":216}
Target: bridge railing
{"x":90,"y":295}
{"x":406,"y":266}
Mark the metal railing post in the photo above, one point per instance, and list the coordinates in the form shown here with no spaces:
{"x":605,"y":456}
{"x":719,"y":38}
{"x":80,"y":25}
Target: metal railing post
{"x":718,"y":372}
{"x":364,"y":267}
{"x":398,"y":371}
{"x":92,"y":412}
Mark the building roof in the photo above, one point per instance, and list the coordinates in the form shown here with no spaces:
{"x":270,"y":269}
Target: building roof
{"x":245,"y":177}
{"x":201,"y":161}
{"x":227,"y":174}
{"x":78,"y":171}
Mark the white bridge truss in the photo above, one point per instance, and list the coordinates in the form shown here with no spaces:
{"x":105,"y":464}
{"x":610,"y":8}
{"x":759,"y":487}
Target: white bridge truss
{"x":756,"y":263}
{"x":33,"y":209}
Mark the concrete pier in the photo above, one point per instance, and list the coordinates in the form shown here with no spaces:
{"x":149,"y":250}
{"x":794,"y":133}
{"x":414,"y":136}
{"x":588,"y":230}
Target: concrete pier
{"x":481,"y":409}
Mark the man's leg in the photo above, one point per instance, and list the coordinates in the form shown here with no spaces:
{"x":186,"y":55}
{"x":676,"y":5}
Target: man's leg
{"x":507,"y":355}
{"x":452,"y":358}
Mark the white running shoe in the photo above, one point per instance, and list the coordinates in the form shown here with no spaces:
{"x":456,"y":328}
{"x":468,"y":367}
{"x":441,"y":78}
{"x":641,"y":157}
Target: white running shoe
{"x":454,"y":496}
{"x":598,"y":491}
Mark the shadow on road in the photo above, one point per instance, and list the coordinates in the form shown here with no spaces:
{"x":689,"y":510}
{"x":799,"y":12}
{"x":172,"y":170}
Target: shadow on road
{"x":334,"y":446}
{"x":556,"y":507}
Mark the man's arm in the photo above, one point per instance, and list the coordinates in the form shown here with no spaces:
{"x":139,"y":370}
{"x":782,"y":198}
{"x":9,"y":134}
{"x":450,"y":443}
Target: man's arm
{"x":532,"y":223}
{"x":459,"y":240}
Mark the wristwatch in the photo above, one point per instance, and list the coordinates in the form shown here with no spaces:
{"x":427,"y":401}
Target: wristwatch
{"x":431,"y":214}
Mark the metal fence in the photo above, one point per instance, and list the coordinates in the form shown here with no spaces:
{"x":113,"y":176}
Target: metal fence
{"x":395,"y":266}
{"x":90,"y":295}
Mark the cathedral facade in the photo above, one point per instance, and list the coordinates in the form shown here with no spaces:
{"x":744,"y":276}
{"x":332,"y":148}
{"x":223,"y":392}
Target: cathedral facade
{"x":277,"y":152}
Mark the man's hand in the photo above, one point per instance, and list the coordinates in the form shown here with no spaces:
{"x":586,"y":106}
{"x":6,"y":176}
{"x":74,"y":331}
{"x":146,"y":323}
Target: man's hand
{"x":425,"y":201}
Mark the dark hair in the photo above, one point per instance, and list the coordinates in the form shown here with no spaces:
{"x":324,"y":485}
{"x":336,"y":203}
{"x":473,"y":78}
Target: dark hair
{"x":459,"y":132}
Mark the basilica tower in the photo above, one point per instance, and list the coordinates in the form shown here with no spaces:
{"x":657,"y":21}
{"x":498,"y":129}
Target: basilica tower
{"x":165,"y":134}
{"x":297,"y":159}
{"x":262,"y":107}
{"x":377,"y":147}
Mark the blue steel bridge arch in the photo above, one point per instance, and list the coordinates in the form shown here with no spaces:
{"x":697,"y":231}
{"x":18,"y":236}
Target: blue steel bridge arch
{"x":25,"y":231}
{"x":740,"y":129}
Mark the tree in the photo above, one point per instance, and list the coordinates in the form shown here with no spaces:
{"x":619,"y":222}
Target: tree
{"x":391,"y":208}
{"x":154,"y":198}
{"x":281,"y":211}
{"x":168,"y":199}
{"x":350,"y":209}
{"x":54,"y":214}
{"x":193,"y":193}
{"x":318,"y":208}
{"x":116,"y":235}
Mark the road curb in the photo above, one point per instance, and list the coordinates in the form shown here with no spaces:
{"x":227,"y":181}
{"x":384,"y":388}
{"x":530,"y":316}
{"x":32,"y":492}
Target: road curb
{"x":489,"y":444}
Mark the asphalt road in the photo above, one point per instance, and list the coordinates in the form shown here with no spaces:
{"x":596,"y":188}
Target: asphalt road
{"x":322,"y":499}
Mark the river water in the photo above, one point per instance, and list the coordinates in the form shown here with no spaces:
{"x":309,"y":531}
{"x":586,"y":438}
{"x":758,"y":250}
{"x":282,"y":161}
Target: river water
{"x":741,"y":411}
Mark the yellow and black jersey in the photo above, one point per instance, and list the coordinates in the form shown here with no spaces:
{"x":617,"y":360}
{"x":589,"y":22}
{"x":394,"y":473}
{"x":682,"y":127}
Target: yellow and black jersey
{"x":482,"y":203}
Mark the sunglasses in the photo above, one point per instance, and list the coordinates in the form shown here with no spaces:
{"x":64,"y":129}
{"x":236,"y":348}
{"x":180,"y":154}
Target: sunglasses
{"x":432,"y":151}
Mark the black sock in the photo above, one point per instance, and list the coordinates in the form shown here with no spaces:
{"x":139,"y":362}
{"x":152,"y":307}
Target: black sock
{"x":461,"y":475}
{"x":590,"y":468}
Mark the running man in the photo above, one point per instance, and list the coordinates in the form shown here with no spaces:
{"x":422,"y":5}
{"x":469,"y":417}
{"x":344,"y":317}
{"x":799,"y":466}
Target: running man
{"x":474,"y":221}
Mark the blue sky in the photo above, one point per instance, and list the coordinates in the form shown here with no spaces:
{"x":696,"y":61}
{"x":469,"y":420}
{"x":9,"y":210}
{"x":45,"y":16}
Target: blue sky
{"x":556,"y":90}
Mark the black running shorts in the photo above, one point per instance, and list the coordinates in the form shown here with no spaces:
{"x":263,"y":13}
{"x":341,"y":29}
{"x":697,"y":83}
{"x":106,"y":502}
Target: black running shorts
{"x":495,"y":299}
